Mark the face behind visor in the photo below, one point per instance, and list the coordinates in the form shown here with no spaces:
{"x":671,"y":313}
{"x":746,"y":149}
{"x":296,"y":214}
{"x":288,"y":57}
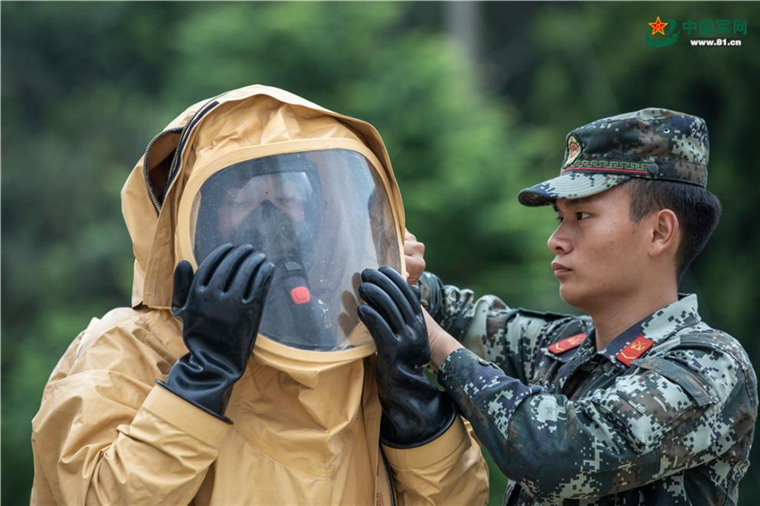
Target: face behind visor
{"x":320,"y":217}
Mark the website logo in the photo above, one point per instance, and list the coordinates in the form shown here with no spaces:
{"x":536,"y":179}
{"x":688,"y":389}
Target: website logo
{"x":704,"y":32}
{"x":662,"y":33}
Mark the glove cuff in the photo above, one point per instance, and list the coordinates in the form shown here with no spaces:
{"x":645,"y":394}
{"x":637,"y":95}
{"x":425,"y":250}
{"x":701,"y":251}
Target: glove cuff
{"x":196,"y":404}
{"x":206,"y":388}
{"x":390,"y":436}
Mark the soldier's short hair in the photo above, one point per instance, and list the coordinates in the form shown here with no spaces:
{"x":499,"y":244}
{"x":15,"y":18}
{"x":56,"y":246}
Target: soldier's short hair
{"x":697,"y":209}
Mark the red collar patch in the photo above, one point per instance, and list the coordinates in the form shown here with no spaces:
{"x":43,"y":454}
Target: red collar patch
{"x":634,"y":350}
{"x":567,"y":344}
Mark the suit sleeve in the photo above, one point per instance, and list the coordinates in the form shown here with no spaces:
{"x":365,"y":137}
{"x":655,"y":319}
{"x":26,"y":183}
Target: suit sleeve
{"x":106,"y":433}
{"x":448,"y":470}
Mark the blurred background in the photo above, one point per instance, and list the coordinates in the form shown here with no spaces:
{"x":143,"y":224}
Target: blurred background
{"x":473,"y":101}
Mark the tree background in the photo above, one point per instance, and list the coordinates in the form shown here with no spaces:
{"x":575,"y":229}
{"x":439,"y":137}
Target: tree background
{"x":473,"y":101}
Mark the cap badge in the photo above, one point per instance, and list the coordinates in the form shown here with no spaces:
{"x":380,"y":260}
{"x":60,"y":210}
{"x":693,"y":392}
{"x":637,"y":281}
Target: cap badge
{"x":573,"y":150}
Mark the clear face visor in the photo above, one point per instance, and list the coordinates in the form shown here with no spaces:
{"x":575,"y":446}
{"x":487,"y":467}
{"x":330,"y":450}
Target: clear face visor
{"x":321,"y":217}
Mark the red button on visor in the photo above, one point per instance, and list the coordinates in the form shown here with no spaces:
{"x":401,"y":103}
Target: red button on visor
{"x":300,"y":295}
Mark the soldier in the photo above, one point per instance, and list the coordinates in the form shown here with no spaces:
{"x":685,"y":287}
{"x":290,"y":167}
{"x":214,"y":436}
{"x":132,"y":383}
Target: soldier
{"x":640,"y":402}
{"x":249,"y":380}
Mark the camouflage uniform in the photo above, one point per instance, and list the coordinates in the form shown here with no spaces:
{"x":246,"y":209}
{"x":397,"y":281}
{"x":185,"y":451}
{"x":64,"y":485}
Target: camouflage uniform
{"x":664,"y":414}
{"x":577,"y":426}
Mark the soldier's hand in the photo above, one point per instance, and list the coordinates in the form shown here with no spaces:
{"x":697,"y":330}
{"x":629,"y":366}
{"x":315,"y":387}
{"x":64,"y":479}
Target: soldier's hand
{"x":415,"y":411}
{"x":414,"y":254}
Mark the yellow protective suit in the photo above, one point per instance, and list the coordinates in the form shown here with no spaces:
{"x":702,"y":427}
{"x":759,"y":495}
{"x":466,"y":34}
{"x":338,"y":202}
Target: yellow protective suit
{"x":306,"y":424}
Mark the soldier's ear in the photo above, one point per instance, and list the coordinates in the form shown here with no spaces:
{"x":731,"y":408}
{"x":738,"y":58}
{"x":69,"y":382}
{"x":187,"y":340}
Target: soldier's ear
{"x":664,"y":232}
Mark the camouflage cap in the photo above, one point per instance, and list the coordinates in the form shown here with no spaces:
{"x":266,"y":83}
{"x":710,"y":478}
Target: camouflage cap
{"x":651,"y":143}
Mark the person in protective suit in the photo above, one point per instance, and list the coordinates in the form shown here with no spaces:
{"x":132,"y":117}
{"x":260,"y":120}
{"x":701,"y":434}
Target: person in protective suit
{"x":242,"y":373}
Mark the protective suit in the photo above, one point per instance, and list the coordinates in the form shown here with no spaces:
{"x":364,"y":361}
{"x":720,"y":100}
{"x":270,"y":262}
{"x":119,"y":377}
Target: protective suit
{"x":315,"y":191}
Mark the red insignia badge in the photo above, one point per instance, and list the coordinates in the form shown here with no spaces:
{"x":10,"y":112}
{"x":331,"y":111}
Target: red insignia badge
{"x":567,"y":344}
{"x":573,"y":150}
{"x":634,"y":350}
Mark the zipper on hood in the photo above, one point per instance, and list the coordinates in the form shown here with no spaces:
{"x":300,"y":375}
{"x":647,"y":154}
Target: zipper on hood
{"x":174,"y":169}
{"x":146,"y":169}
{"x":184,"y":132}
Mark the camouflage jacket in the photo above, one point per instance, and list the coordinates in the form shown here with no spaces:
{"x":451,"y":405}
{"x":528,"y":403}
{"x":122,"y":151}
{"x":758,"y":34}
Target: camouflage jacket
{"x":664,"y":414}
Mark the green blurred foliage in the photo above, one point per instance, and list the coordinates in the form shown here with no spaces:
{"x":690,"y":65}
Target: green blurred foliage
{"x":85,"y":86}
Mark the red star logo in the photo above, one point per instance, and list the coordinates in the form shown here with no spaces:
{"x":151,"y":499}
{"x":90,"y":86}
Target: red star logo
{"x":658,"y":26}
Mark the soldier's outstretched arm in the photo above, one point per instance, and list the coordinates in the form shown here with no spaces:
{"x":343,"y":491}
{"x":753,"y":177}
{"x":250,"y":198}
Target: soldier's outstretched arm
{"x":674,"y":412}
{"x":509,"y":337}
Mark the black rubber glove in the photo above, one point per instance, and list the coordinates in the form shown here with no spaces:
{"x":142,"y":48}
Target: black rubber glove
{"x":220,"y":308}
{"x":414,"y":411}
